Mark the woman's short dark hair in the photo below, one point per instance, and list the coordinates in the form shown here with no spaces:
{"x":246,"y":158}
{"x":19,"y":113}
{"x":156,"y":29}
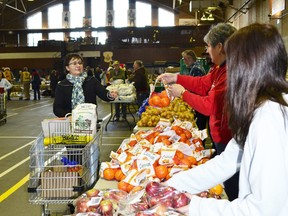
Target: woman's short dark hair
{"x":257,"y":66}
{"x":70,"y":56}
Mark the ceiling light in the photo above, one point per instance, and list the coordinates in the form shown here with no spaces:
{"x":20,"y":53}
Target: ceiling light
{"x":210,"y":17}
{"x":190,"y":6}
{"x":203,"y":17}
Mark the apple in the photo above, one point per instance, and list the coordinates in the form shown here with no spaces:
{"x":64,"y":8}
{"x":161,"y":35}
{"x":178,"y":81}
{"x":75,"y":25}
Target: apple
{"x":92,"y":192}
{"x":81,"y":205}
{"x":180,"y":200}
{"x":106,"y":207}
{"x":204,"y":194}
{"x":168,"y":192}
{"x":153,"y":188}
{"x":167,"y":202}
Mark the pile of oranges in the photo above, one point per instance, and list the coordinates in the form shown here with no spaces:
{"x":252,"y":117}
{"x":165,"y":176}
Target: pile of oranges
{"x":162,"y":171}
{"x":159,"y":99}
{"x":118,"y":175}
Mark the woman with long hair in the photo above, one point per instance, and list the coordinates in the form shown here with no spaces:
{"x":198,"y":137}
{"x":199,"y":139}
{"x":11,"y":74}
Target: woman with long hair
{"x":257,"y":106}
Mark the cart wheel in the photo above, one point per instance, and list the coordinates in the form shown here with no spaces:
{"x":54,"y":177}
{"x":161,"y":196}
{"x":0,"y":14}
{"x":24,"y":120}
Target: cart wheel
{"x":72,"y":208}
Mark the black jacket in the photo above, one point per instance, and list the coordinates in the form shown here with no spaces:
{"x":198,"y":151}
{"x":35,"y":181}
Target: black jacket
{"x":140,"y":80}
{"x":91,"y":87}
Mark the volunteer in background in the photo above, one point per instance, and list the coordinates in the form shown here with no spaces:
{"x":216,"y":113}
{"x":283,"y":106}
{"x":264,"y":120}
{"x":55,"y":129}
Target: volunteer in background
{"x":257,"y":103}
{"x":77,"y":87}
{"x":36,"y":84}
{"x":206,"y":94}
{"x":194,"y":68}
{"x":118,"y":74}
{"x":4,"y":83}
{"x":9,"y":77}
{"x":139,"y":77}
{"x":25,"y":81}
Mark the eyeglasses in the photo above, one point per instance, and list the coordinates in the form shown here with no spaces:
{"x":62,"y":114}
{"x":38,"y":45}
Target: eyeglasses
{"x":75,"y":63}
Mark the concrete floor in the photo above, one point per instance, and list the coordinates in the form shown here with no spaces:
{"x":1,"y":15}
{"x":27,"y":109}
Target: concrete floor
{"x":16,"y":136}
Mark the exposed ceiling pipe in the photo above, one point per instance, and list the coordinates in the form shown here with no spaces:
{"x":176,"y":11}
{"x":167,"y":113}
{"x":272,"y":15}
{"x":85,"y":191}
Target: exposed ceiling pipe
{"x":239,"y":10}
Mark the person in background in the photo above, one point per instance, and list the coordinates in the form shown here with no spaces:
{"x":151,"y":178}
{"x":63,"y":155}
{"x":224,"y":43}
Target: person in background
{"x":77,"y":87}
{"x":4,"y":83}
{"x":139,"y":77}
{"x":25,"y":81}
{"x":53,"y":82}
{"x":9,"y":77}
{"x":98,"y":72}
{"x":257,"y":103}
{"x":206,"y":94}
{"x":194,"y":68}
{"x":115,"y":74}
{"x":36,"y":83}
{"x":105,"y":75}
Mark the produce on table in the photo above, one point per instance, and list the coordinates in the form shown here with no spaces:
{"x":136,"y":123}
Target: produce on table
{"x":156,"y":155}
{"x":177,"y":108}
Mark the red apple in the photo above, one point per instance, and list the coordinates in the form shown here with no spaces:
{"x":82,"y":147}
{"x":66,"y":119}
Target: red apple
{"x":180,"y":200}
{"x":153,"y":188}
{"x":81,"y":205}
{"x":167,"y":202}
{"x":168,"y":192}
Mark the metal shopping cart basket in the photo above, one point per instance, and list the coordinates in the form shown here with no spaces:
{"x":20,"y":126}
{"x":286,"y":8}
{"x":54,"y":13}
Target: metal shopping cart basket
{"x":60,"y":172}
{"x":3,"y":114}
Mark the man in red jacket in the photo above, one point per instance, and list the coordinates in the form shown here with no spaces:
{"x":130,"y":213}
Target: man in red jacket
{"x":206,"y":94}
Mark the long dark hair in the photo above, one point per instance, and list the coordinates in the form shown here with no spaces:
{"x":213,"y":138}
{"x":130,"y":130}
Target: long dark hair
{"x":257,"y":66}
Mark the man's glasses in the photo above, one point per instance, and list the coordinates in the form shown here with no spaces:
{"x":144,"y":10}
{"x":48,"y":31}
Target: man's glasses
{"x":75,"y":63}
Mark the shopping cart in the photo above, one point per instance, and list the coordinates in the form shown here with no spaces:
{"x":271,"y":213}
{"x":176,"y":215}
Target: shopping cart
{"x":60,"y":172}
{"x":3,"y":114}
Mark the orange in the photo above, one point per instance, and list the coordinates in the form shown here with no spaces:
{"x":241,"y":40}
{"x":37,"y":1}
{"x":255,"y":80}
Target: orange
{"x":163,"y":94}
{"x":129,"y":187}
{"x":187,"y":133}
{"x":123,"y":186}
{"x":185,"y":161}
{"x":119,"y":175}
{"x":165,"y":101}
{"x":192,"y":160}
{"x":156,"y":100}
{"x":150,"y":102}
{"x":183,"y":138}
{"x":217,"y":190}
{"x":161,"y":171}
{"x":109,"y":174}
{"x":166,"y":142}
{"x":179,"y":154}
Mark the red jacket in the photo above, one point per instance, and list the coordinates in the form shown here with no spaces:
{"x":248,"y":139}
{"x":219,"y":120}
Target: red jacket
{"x":207,"y":94}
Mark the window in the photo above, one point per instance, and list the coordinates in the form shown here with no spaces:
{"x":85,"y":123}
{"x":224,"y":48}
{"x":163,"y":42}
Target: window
{"x":100,"y":37}
{"x":55,"y":16}
{"x":34,"y":22}
{"x":143,"y":14}
{"x":76,"y":13}
{"x":120,"y":12}
{"x":165,"y":18}
{"x":56,"y":36}
{"x":98,"y":13}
